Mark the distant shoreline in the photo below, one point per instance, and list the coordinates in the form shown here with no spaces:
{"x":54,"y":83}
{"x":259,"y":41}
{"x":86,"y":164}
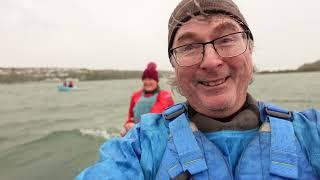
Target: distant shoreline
{"x":21,"y":75}
{"x":13,"y":79}
{"x":285,"y":72}
{"x":308,"y":67}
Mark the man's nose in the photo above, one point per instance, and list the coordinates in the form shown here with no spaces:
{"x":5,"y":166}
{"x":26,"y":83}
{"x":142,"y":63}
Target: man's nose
{"x":211,"y":58}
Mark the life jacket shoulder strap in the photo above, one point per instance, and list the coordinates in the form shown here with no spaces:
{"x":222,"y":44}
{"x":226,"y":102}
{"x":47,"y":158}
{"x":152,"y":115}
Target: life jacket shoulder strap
{"x":191,"y":159}
{"x":270,"y":110}
{"x":174,"y":111}
{"x":283,"y":150}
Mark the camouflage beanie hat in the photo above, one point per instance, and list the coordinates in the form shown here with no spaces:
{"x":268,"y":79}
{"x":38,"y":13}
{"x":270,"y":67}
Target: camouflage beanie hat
{"x":187,"y":9}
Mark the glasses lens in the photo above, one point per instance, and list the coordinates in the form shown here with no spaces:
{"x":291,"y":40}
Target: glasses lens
{"x":188,"y":55}
{"x":231,"y":45}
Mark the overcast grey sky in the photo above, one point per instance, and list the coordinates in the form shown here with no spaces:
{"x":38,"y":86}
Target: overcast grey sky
{"x":105,"y":34}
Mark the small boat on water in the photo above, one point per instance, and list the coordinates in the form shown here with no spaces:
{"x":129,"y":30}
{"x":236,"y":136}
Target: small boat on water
{"x":66,"y":88}
{"x":67,"y":85}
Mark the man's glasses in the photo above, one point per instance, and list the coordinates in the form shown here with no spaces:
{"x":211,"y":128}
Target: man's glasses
{"x":227,"y":46}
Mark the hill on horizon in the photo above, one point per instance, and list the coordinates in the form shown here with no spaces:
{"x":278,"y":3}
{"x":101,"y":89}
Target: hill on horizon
{"x":315,"y":66}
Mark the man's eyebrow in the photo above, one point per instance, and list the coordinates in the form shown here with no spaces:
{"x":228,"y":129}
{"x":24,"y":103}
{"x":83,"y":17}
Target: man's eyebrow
{"x":185,"y":36}
{"x":220,"y":28}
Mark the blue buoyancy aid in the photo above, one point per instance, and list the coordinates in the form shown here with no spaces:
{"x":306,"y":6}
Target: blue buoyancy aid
{"x":143,"y":106}
{"x":275,"y":153}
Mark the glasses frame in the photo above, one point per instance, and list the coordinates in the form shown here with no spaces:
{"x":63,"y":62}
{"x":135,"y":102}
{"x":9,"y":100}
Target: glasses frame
{"x":172,"y":54}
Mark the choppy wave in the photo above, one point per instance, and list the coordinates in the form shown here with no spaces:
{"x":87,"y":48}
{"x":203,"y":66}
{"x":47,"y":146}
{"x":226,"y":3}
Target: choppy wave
{"x":59,"y":155}
{"x":96,"y":133}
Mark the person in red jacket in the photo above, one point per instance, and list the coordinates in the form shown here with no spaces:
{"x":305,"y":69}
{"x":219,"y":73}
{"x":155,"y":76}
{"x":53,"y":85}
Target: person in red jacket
{"x":71,"y":84}
{"x":149,"y":99}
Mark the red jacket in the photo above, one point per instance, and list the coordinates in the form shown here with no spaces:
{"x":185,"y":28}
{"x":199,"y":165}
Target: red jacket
{"x":164,"y":100}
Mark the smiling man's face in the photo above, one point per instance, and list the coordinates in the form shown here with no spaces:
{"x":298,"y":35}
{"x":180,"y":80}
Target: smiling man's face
{"x":216,"y":86}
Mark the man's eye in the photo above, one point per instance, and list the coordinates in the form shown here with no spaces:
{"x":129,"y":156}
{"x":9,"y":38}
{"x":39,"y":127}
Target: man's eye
{"x":226,"y":40}
{"x":188,"y":47}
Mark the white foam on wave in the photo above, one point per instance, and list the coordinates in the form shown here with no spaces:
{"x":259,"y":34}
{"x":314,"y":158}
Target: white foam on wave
{"x":96,"y":132}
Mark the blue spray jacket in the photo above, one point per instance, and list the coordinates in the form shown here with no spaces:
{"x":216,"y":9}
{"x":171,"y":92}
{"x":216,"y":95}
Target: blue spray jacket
{"x":160,"y":149}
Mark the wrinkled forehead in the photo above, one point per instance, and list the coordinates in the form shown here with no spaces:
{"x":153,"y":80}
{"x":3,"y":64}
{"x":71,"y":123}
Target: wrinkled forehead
{"x":213,"y":25}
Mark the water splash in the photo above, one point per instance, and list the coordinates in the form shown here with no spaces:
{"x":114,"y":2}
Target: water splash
{"x":96,"y":133}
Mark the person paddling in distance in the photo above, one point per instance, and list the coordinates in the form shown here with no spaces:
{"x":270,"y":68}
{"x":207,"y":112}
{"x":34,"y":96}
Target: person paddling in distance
{"x":221,"y":132}
{"x":148,"y":99}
